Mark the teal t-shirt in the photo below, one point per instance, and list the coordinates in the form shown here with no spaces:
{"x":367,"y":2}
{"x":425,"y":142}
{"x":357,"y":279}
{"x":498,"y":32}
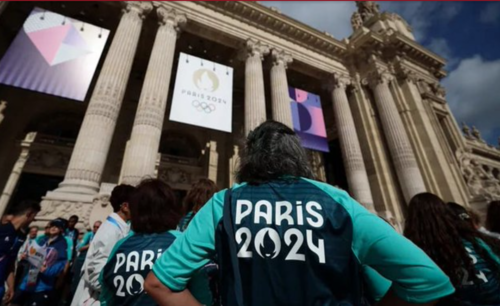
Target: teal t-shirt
{"x":130,"y":261}
{"x":484,"y":288}
{"x":308,"y":235}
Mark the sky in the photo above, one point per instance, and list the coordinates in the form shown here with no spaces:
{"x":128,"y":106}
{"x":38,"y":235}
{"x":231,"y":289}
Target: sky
{"x":467,"y":34}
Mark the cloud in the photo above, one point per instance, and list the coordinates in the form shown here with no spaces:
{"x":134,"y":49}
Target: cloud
{"x":472,"y":92}
{"x":421,"y":15}
{"x":441,"y":47}
{"x":490,"y":13}
{"x":332,"y":17}
{"x":335,"y":17}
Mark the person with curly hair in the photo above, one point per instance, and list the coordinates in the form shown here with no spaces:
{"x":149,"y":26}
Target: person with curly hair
{"x":155,"y":213}
{"x":448,"y":235}
{"x":198,"y":195}
{"x":282,"y":238}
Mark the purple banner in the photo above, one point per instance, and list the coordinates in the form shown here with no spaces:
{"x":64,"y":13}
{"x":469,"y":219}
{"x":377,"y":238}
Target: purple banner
{"x":308,"y":121}
{"x":54,"y":54}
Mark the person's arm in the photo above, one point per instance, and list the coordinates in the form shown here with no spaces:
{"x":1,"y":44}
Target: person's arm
{"x":55,"y":269}
{"x":69,"y":250}
{"x":84,"y":248}
{"x":10,"y":284}
{"x":103,"y":243}
{"x":163,"y":296}
{"x":391,"y":299}
{"x":85,"y":244}
{"x":191,"y":251}
{"x":22,"y":251}
{"x":415,"y":278}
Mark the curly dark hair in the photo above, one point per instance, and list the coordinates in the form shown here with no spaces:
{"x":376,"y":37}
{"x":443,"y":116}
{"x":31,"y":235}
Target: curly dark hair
{"x":493,"y":217}
{"x":154,"y":208}
{"x":199,"y":194}
{"x":272,"y":152}
{"x":120,"y":194}
{"x":439,"y":230}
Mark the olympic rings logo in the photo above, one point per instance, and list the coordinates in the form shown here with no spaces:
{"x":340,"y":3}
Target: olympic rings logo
{"x":207,"y":108}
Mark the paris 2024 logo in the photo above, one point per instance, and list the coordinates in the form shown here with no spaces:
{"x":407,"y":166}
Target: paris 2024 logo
{"x":206,"y":81}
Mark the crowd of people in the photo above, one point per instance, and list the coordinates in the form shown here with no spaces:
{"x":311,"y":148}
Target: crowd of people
{"x":277,"y":237}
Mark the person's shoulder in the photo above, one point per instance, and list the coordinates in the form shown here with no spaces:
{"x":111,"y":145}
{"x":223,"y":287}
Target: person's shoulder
{"x":339,"y":196}
{"x":7,"y":229}
{"x":332,"y":191}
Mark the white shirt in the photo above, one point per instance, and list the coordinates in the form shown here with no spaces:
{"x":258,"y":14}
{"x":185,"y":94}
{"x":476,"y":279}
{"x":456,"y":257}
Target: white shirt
{"x":110,"y":232}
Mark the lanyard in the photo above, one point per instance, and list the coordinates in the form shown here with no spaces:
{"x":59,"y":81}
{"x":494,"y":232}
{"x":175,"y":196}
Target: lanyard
{"x":113,"y":221}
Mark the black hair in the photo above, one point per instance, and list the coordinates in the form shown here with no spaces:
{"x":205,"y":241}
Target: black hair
{"x":25,"y":207}
{"x":74,"y":217}
{"x":154,"y":208}
{"x":120,"y":194}
{"x":272,"y":152}
{"x":440,"y":230}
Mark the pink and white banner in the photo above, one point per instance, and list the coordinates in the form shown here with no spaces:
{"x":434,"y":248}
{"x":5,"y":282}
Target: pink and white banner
{"x":54,"y":54}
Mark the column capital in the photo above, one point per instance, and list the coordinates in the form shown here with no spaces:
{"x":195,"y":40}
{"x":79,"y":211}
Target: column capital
{"x":339,"y":80}
{"x":171,"y":18}
{"x":139,"y":7}
{"x":408,"y":75}
{"x":254,"y":47}
{"x":281,"y":57}
{"x":378,"y":76}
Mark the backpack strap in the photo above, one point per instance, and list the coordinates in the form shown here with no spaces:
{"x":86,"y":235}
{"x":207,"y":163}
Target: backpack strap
{"x":229,"y":229}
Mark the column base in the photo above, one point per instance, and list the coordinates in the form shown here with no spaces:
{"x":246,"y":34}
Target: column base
{"x":60,"y":205}
{"x":78,"y":187}
{"x":52,"y":209}
{"x":67,"y":200}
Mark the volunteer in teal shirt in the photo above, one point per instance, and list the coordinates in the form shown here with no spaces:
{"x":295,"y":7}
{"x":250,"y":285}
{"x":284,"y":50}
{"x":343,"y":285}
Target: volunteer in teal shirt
{"x":281,"y":238}
{"x":470,"y":258}
{"x":155,"y":214}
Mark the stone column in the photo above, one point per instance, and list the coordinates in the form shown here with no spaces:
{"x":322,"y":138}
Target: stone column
{"x":92,"y":145}
{"x":234,"y":163}
{"x":16,"y":171}
{"x":255,"y":98}
{"x":142,"y":151}
{"x":399,"y":145}
{"x":213,"y":160}
{"x":349,"y":144}
{"x":279,"y":88}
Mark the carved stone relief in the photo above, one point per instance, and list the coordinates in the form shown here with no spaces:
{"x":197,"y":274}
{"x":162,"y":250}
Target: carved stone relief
{"x":482,"y":180}
{"x":48,"y":159}
{"x":52,"y":209}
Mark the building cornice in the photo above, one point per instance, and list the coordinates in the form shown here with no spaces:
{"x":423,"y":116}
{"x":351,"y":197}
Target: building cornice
{"x":417,"y":54}
{"x":272,"y":21}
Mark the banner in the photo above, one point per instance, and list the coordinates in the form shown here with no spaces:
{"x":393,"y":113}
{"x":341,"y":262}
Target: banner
{"x":36,"y":255}
{"x":54,"y":54}
{"x":308,"y":121}
{"x":203,"y":94}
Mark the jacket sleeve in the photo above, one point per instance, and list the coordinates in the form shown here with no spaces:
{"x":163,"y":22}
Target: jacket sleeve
{"x":193,"y":249}
{"x":415,"y":277}
{"x":56,"y":268}
{"x":101,"y":249}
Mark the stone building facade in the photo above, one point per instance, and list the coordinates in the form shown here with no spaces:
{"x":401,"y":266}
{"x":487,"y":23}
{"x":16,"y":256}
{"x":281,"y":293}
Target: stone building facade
{"x":391,"y":132}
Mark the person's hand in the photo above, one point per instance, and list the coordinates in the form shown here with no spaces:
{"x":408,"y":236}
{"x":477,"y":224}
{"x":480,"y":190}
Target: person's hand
{"x":24,"y":256}
{"x":43,"y":268}
{"x":9,"y":294}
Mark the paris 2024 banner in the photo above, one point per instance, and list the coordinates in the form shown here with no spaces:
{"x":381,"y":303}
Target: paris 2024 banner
{"x":203,"y":94}
{"x":54,"y":54}
{"x":308,"y":120}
